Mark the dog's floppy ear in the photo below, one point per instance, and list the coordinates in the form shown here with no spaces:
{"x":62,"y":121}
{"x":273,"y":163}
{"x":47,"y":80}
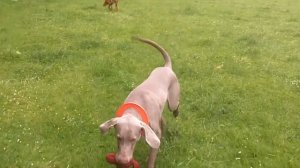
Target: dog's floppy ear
{"x":150,"y":136}
{"x":104,"y":127}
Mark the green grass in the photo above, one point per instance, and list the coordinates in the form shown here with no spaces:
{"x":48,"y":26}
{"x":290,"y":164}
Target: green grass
{"x":66,"y":66}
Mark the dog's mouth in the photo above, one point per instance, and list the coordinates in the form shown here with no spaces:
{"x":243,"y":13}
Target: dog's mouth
{"x":125,"y":165}
{"x":124,"y":162}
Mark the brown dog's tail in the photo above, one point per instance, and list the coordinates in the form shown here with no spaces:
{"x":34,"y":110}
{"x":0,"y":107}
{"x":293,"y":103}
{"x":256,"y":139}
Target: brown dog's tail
{"x":166,"y":56}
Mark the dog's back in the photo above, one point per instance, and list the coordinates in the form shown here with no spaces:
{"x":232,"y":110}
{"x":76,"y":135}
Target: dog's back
{"x":153,"y":93}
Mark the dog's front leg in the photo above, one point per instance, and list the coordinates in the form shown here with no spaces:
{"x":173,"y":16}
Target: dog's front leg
{"x":110,"y":7}
{"x":116,"y":6}
{"x":152,"y":157}
{"x":153,"y":151}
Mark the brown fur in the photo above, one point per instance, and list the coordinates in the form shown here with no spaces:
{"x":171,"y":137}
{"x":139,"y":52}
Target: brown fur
{"x":110,"y":4}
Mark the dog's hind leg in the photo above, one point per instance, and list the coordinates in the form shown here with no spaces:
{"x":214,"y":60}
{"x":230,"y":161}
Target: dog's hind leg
{"x":173,"y":97}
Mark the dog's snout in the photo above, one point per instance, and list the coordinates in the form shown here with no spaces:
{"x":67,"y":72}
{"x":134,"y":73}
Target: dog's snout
{"x":123,"y":160}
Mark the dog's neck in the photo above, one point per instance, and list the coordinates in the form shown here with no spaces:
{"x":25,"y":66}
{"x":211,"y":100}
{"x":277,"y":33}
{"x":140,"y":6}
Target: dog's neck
{"x":135,"y":110}
{"x":133,"y":113}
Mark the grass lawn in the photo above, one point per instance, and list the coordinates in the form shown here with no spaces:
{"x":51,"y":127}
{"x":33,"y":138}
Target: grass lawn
{"x":66,"y":66}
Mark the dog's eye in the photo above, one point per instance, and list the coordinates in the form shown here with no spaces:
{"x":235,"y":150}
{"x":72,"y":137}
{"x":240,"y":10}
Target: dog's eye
{"x":132,"y":139}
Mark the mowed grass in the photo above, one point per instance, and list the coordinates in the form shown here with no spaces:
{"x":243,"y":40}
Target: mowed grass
{"x":66,"y":66}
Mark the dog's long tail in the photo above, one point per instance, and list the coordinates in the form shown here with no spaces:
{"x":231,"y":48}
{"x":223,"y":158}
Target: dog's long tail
{"x":167,"y":58}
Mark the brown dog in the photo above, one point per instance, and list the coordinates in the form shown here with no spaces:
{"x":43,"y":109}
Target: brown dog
{"x":110,"y":3}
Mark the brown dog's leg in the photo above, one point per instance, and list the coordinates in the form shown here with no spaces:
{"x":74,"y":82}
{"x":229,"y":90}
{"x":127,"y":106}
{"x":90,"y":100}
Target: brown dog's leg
{"x":116,"y":5}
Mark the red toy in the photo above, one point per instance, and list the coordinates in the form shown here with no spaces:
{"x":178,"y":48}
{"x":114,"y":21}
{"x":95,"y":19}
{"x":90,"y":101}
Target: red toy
{"x":111,"y":158}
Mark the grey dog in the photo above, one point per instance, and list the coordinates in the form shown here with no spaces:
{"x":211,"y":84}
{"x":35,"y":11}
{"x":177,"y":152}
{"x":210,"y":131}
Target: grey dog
{"x":160,"y":87}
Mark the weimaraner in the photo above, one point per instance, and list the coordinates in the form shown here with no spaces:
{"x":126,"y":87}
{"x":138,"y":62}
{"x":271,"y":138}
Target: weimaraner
{"x":160,"y":87}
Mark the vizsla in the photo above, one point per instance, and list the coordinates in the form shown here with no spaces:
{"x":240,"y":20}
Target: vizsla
{"x":110,"y":3}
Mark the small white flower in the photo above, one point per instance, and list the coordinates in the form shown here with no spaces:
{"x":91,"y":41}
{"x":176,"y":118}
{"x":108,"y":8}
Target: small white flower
{"x":220,"y":66}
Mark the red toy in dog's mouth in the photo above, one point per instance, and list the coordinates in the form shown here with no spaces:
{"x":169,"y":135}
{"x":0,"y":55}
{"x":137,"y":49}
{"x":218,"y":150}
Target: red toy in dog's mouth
{"x":111,"y":158}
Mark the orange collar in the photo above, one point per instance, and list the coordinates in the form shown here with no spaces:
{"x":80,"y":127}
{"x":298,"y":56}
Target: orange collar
{"x":137,"y":108}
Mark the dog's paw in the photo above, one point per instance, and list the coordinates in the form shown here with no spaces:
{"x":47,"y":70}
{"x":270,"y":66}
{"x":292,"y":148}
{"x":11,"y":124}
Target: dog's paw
{"x":176,"y":112}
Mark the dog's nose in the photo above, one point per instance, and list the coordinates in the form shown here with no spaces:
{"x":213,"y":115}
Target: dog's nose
{"x":123,"y":160}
